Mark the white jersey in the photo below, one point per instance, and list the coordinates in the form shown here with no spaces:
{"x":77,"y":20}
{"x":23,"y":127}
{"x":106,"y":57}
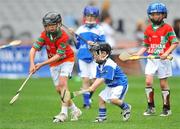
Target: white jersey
{"x":94,"y":34}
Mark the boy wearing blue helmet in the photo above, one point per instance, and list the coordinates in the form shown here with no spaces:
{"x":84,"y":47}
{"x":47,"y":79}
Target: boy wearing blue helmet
{"x":92,"y":32}
{"x":159,"y":40}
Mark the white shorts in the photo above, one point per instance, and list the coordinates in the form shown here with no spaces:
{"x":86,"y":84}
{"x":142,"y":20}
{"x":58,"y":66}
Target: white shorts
{"x":161,"y":68}
{"x":109,"y":93}
{"x":87,"y":69}
{"x":64,"y":69}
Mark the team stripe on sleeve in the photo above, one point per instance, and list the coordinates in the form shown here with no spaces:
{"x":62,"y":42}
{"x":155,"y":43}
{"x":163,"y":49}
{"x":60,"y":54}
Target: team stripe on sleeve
{"x":171,"y":34}
{"x":40,"y":40}
{"x":39,"y":43}
{"x":63,"y":45}
{"x":145,"y":36}
{"x":172,"y":37}
{"x":145,"y":44}
{"x":60,"y":51}
{"x":174,"y":40}
{"x":36,"y":46}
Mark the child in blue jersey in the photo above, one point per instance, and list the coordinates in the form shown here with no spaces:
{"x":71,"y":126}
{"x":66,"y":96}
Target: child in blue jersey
{"x":92,"y":32}
{"x":116,"y":81}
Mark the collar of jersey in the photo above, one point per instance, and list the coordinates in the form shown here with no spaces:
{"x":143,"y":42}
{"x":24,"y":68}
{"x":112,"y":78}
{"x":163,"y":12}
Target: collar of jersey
{"x":58,"y":34}
{"x":155,"y":27}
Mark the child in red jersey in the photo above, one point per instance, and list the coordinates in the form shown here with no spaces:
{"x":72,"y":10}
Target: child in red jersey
{"x":60,"y":60}
{"x":159,"y":40}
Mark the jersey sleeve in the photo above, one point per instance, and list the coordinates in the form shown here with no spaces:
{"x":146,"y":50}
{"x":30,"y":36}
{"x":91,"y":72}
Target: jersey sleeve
{"x":102,"y":38}
{"x":101,"y":35}
{"x":107,"y":73}
{"x":62,"y":46}
{"x":61,"y":51}
{"x":39,"y":43}
{"x":172,"y":36}
{"x":145,"y":42}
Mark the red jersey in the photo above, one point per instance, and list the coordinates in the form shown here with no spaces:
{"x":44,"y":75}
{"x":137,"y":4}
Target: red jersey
{"x":158,"y":40}
{"x":56,"y":45}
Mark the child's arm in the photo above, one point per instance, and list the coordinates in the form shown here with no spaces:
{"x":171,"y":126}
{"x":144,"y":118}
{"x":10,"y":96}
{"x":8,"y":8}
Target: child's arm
{"x":50,"y":60}
{"x":169,"y":51}
{"x":140,"y":52}
{"x":96,"y":84}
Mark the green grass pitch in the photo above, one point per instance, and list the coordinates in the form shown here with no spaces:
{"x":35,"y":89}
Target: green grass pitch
{"x":38,"y":103}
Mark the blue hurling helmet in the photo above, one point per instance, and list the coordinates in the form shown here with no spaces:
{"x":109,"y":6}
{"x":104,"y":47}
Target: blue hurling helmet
{"x":157,"y":8}
{"x":91,"y":10}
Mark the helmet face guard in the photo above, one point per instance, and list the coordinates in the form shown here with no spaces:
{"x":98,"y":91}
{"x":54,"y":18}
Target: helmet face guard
{"x":93,"y":12}
{"x":157,"y":8}
{"x":52,"y":18}
{"x":101,"y":52}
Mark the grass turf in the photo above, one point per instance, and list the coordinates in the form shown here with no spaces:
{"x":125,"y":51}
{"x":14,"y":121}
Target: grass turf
{"x":39,"y":102}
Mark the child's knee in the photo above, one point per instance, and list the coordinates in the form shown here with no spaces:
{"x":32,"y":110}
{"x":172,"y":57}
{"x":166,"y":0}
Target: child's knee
{"x":149,"y":83}
{"x":115,"y":101}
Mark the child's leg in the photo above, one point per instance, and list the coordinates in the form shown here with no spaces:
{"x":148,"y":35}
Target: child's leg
{"x":102,"y":111}
{"x":150,"y":96}
{"x":124,"y":106}
{"x":149,"y":91}
{"x":102,"y":108}
{"x":165,"y":71}
{"x":119,"y":103}
{"x":166,"y":97}
{"x":75,"y":111}
{"x":116,"y":96}
{"x":86,"y":95}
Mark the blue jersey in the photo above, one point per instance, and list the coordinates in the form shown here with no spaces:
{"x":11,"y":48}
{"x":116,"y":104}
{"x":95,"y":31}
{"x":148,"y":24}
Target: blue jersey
{"x":112,"y":74}
{"x":95,"y":34}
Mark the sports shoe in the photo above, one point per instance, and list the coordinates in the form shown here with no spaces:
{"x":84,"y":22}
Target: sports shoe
{"x":61,"y":117}
{"x":99,"y":119}
{"x":149,"y":111}
{"x":165,"y":112}
{"x":126,"y":113}
{"x":76,"y":114}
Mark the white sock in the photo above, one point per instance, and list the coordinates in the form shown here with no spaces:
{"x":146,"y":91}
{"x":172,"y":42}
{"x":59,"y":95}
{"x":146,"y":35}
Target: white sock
{"x":64,"y":110}
{"x":73,"y":107}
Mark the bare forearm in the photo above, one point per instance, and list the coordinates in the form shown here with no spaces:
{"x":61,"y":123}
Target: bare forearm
{"x":97,"y":83}
{"x":171,"y":49}
{"x":141,"y":51}
{"x":32,"y":55}
{"x":51,"y":60}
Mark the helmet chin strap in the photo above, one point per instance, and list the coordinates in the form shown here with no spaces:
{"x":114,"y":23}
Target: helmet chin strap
{"x":156,"y":22}
{"x":102,"y":60}
{"x":90,"y":24}
{"x":51,"y":34}
{"x":105,"y":57}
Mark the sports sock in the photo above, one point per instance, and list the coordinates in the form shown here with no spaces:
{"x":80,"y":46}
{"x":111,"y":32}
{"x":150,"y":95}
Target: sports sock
{"x":64,"y":110}
{"x":73,"y":107}
{"x":86,"y":97}
{"x":91,"y":93}
{"x":150,"y":96}
{"x":102,"y":112}
{"x":124,"y":106}
{"x":166,"y":99}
